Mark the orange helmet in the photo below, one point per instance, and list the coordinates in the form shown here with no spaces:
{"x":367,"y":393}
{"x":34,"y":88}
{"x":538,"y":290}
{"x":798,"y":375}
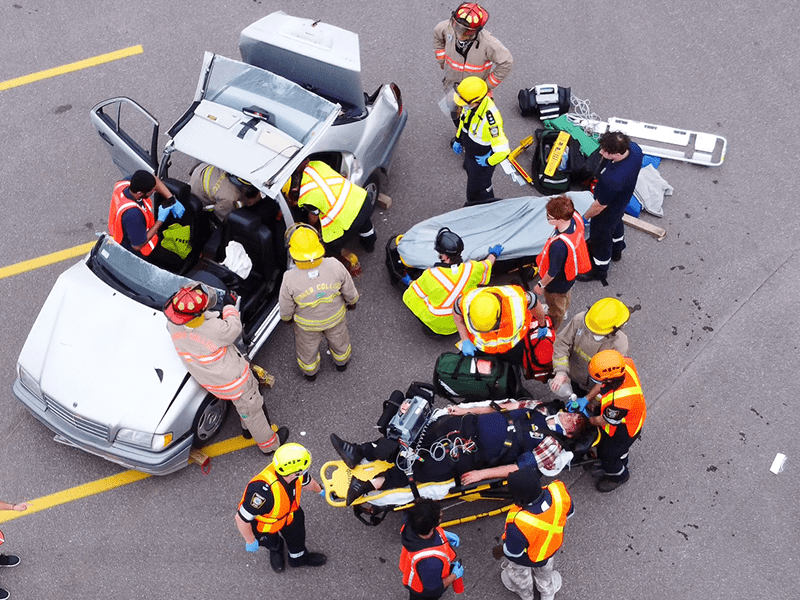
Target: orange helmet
{"x":605,"y":365}
{"x":468,"y":19}
{"x":189,"y":302}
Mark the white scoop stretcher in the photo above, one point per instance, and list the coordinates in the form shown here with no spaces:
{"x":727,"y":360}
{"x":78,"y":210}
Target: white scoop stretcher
{"x":693,"y":147}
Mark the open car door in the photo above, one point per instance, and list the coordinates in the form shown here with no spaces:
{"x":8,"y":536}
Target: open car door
{"x":130,"y":134}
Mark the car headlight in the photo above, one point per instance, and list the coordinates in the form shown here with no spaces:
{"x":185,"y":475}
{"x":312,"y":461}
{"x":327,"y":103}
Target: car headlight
{"x":27,"y":380}
{"x":144,"y":439}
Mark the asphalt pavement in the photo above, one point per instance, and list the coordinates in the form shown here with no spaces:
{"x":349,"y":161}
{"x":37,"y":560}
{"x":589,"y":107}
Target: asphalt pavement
{"x":715,"y":338}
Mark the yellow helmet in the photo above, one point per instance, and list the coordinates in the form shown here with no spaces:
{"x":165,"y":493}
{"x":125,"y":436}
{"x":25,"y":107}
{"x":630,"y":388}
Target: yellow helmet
{"x":286,"y":187}
{"x":605,"y":365}
{"x":304,"y":246}
{"x":484,"y":311}
{"x":606,"y":316}
{"x":291,"y":458}
{"x":470,"y":90}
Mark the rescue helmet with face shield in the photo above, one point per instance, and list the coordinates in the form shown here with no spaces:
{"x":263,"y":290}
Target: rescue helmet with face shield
{"x":606,"y":365}
{"x":606,"y":316}
{"x":468,"y":19}
{"x":305,"y":247}
{"x":484,"y":311}
{"x":470,"y":90}
{"x":291,"y":458}
{"x":448,"y":243}
{"x":189,"y":302}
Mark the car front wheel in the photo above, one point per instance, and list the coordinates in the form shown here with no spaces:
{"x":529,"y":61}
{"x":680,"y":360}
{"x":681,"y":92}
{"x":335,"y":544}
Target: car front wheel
{"x":208,"y":420}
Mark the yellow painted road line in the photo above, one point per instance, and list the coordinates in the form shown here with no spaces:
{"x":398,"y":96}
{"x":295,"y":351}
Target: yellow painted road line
{"x":47,"y":259}
{"x":76,"y":66}
{"x":109,"y":483}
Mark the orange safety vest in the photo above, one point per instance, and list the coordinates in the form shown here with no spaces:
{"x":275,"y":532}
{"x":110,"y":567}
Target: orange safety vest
{"x":119,"y":204}
{"x":432,"y":296}
{"x":283,"y":509}
{"x":544,"y":531}
{"x":409,"y":560}
{"x":515,"y":319}
{"x":335,"y":197}
{"x":628,"y":396}
{"x":578,"y":260}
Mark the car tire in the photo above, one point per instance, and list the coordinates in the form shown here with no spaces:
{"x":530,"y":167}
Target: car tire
{"x":373,"y":184}
{"x":209,"y":419}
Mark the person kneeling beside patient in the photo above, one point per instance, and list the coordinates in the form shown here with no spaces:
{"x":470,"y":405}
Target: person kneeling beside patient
{"x":485,"y":444}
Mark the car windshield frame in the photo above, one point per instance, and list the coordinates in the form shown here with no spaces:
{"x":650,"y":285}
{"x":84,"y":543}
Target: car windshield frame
{"x":134,"y":277}
{"x":237,"y":85}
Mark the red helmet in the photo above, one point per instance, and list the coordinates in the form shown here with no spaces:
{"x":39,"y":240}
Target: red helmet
{"x":468,"y":19}
{"x":189,"y":302}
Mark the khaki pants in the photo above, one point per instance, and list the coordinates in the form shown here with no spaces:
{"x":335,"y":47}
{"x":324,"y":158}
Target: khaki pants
{"x":520,"y":580}
{"x":307,"y":346}
{"x":250,"y":406}
{"x":557,"y":306}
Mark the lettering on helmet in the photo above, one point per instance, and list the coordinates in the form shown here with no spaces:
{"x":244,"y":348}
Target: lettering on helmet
{"x":257,"y":501}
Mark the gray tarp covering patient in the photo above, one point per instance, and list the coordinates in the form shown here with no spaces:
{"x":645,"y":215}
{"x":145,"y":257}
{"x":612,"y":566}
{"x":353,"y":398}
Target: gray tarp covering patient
{"x":519,"y":224}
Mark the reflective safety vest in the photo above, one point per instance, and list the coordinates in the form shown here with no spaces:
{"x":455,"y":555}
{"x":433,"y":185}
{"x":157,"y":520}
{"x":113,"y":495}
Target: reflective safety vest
{"x":119,"y":204}
{"x":283,"y":508}
{"x":409,"y":560}
{"x":544,"y":531}
{"x":578,"y":260}
{"x":484,"y":126}
{"x":515,"y":319}
{"x":432,"y":296}
{"x":627,"y":397}
{"x":335,"y":197}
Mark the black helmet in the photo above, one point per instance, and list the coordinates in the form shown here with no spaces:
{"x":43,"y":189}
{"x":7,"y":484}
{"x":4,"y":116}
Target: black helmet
{"x":448,"y":243}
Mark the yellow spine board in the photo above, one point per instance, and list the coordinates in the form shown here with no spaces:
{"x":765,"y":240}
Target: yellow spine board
{"x":556,"y":153}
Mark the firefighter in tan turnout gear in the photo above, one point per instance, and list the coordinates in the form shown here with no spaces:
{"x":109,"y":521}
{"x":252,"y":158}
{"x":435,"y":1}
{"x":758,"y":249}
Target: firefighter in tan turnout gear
{"x":316,"y":296}
{"x":205,"y":341}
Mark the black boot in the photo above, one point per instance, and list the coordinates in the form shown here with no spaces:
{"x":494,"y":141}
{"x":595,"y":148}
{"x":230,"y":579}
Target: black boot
{"x":349,"y":453}
{"x":368,"y":243}
{"x":276,"y":559}
{"x":357,"y":489}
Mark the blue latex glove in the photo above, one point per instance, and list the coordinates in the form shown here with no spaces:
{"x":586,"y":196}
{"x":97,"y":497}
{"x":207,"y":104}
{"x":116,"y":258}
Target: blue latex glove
{"x":163,"y":213}
{"x":457,"y":147}
{"x":252,"y":546}
{"x":453,"y":539}
{"x":482,"y":160}
{"x":457,"y":569}
{"x":586,"y":221}
{"x":468,"y":348}
{"x":497,"y":250}
{"x":177,"y":209}
{"x":406,"y":280}
{"x":322,"y":492}
{"x":541,"y":333}
{"x":578,"y":405}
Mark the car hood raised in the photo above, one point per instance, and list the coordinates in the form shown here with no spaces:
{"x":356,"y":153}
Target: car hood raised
{"x":104,"y":356}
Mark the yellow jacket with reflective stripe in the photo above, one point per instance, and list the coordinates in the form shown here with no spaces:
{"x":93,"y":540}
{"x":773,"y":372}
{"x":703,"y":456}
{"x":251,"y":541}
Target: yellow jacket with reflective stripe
{"x":432,"y":296}
{"x":484,"y":126}
{"x":336,"y":198}
{"x":544,"y":531}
